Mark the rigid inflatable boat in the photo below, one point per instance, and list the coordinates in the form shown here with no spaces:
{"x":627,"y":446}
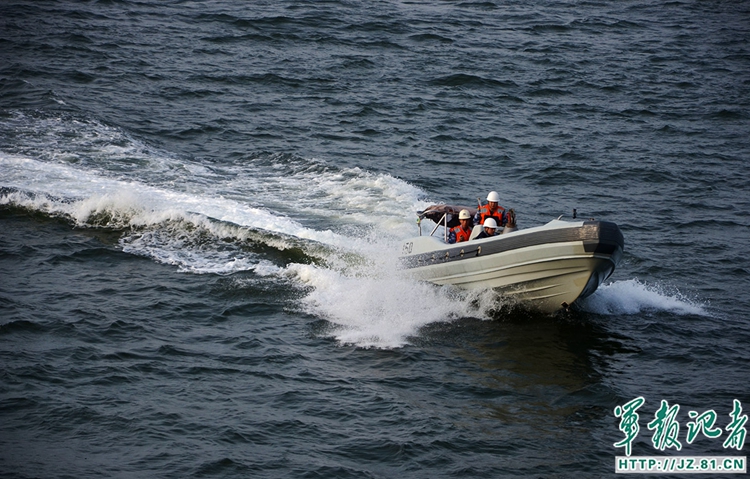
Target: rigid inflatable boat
{"x":547,"y":268}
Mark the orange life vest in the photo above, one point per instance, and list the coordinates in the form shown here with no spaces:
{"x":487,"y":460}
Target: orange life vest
{"x":461,"y":234}
{"x":498,"y":215}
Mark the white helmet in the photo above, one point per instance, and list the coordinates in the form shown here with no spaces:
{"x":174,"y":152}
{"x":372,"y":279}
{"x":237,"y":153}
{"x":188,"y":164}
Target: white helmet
{"x":464,"y":215}
{"x":490,"y":223}
{"x":493,"y":196}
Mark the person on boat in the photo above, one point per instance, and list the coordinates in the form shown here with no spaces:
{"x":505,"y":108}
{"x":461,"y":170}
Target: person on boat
{"x":491,"y":210}
{"x":490,"y":227}
{"x":460,"y":233}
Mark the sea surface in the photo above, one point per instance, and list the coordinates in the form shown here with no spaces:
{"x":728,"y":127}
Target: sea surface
{"x":201,"y":206}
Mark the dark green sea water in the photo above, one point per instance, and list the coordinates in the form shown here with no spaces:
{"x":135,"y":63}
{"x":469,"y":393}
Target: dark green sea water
{"x":201,"y":204}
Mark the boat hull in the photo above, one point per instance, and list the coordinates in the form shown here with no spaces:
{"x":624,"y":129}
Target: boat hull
{"x":547,"y":268}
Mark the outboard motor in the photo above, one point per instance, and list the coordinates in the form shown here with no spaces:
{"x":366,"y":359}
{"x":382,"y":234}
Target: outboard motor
{"x":510,"y":226}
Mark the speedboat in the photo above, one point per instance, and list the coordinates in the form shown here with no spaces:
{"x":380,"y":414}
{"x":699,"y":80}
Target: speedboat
{"x":546,"y":268}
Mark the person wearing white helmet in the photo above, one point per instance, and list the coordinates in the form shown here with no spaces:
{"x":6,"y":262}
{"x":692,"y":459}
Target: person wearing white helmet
{"x":460,"y":233}
{"x":491,"y":210}
{"x":490,"y":227}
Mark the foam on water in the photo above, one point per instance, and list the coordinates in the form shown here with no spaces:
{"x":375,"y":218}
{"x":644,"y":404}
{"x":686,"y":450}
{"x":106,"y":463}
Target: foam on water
{"x":200,"y":233}
{"x":181,"y":213}
{"x":634,"y":297}
{"x":72,"y":152}
{"x":383,"y":310}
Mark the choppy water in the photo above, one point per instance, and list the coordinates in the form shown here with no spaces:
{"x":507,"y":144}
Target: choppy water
{"x":201,"y":203}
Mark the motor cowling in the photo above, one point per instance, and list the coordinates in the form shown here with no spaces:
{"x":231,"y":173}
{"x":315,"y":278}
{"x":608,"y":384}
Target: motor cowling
{"x":510,"y":225}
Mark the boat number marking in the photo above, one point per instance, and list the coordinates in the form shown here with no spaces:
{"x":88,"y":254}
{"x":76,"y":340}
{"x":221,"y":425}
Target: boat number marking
{"x":407,"y":248}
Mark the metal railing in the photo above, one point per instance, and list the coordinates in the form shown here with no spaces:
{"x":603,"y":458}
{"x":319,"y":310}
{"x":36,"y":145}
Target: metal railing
{"x":443,"y":221}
